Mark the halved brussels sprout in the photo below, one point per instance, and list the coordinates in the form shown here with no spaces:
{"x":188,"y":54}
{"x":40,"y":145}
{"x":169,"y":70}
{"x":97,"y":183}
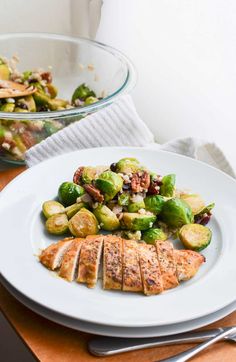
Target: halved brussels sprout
{"x":83,"y":223}
{"x":136,"y":221}
{"x":131,"y":235}
{"x":195,"y":237}
{"x":123,"y":199}
{"x":168,"y":185}
{"x":150,"y":236}
{"x":52,"y":90}
{"x":135,"y":206}
{"x":154,"y":203}
{"x":109,"y":183}
{"x":52,"y":207}
{"x":55,"y":104}
{"x":106,"y":218}
{"x":27,"y":103}
{"x":176,"y":212}
{"x":57,"y":224}
{"x":82,"y":92}
{"x":68,"y":193}
{"x":127,"y":165}
{"x":73,"y":209}
{"x":194,"y":201}
{"x":41,"y":99}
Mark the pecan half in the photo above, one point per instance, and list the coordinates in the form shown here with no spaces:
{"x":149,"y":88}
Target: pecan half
{"x":140,"y":181}
{"x":46,"y":76}
{"x":77,"y":175}
{"x":94,"y":193}
{"x":154,"y":188}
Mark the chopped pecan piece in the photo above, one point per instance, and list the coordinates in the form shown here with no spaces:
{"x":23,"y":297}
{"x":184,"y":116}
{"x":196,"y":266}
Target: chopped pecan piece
{"x":77,"y":175}
{"x":46,"y":76}
{"x":94,"y":193}
{"x":154,"y":188}
{"x":140,"y":181}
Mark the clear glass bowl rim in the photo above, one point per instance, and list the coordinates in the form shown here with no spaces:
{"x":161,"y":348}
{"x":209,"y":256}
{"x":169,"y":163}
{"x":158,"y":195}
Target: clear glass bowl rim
{"x":126,"y":87}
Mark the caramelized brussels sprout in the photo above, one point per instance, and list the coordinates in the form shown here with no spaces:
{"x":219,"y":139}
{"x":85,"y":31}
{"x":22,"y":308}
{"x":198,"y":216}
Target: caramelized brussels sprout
{"x":150,"y":236}
{"x":135,"y":221}
{"x":27,"y":103}
{"x":107,"y":219}
{"x":83,"y":223}
{"x":52,"y":90}
{"x":123,"y":199}
{"x":90,"y":100}
{"x":154,"y":203}
{"x":82,"y":92}
{"x":7,"y":107}
{"x":73,"y":209}
{"x":52,"y":207}
{"x":127,"y":165}
{"x":194,"y":201}
{"x":176,"y":212}
{"x":68,"y":193}
{"x":195,"y":237}
{"x":57,"y":224}
{"x":131,"y":235}
{"x":135,"y":206}
{"x":109,"y":183}
{"x":168,"y":185}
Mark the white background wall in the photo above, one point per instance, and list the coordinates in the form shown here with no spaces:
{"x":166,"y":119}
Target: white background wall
{"x":184,"y":51}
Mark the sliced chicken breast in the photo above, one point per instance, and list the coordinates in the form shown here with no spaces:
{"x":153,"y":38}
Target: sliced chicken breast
{"x":150,"y":269}
{"x":166,"y":257}
{"x":51,"y":257}
{"x":112,"y":262}
{"x":89,"y":260}
{"x":70,"y":260}
{"x":188,"y":263}
{"x":131,"y":269}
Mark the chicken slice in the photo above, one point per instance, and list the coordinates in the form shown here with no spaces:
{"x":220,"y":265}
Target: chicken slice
{"x":70,"y":260}
{"x":51,"y":257}
{"x":89,"y":260}
{"x":188,"y":263}
{"x":150,"y":269}
{"x":131,"y":269}
{"x":166,"y":257}
{"x":112,"y":262}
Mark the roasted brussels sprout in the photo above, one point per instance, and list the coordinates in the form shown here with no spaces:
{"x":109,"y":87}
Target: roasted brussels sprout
{"x":26,"y":103}
{"x":109,"y":183}
{"x":68,"y":192}
{"x":73,"y":209}
{"x":195,"y":237}
{"x":82,"y":92}
{"x":127,"y":165}
{"x":176,"y":212}
{"x":168,"y":185}
{"x":7,"y":107}
{"x":135,"y":221}
{"x":194,"y":201}
{"x":52,"y":207}
{"x":106,"y":218}
{"x":150,"y":236}
{"x":83,"y":223}
{"x":154,"y":203}
{"x":135,"y":206}
{"x":131,"y":235}
{"x":52,"y":90}
{"x":57,"y":224}
{"x":123,"y":199}
{"x":206,"y":210}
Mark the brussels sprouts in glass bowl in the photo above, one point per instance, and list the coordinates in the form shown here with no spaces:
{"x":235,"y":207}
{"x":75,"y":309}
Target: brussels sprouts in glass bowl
{"x":76,"y":77}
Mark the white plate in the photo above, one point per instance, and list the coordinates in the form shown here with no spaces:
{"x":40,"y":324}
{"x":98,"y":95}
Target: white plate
{"x":22,"y":235}
{"x":124,"y":332}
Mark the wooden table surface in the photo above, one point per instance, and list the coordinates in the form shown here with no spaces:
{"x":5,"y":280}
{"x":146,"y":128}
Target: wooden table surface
{"x":49,"y":341}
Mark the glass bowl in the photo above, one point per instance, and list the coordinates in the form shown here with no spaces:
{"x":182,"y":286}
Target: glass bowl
{"x":72,"y":61}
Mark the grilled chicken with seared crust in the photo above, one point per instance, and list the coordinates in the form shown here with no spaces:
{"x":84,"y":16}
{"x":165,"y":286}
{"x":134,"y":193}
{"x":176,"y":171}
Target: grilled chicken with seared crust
{"x":112,"y":262}
{"x":132,"y":281}
{"x":188,"y":262}
{"x":70,"y":260}
{"x":89,"y":260}
{"x":51,"y":257}
{"x":166,"y":257}
{"x":150,"y":269}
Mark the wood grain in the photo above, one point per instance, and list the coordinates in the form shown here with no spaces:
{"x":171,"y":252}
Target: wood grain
{"x":49,"y":341}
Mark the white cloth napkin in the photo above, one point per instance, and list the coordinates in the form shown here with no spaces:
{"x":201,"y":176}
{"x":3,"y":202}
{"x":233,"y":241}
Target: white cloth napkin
{"x":120,"y":125}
